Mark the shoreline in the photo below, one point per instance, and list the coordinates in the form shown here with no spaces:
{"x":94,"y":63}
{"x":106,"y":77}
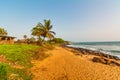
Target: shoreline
{"x":111,"y":48}
{"x":98,"y":56}
{"x":64,"y":64}
{"x":93,"y":52}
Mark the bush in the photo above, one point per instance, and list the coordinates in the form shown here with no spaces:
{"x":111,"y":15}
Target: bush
{"x":22,"y":74}
{"x":58,"y":40}
{"x":39,"y":54}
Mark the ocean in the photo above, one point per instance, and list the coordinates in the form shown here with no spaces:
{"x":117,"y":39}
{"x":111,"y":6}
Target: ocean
{"x":112,"y":48}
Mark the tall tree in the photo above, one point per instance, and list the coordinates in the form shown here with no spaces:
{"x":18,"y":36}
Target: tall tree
{"x":43,"y":31}
{"x":47,"y":33}
{"x":3,"y":31}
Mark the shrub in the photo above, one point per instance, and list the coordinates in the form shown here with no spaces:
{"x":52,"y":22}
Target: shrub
{"x":39,"y":54}
{"x":22,"y":74}
{"x":58,"y":40}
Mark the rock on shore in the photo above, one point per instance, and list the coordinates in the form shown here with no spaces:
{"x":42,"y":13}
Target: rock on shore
{"x":102,"y":57}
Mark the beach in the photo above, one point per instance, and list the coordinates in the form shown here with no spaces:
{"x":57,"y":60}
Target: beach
{"x":64,"y":64}
{"x":107,"y":47}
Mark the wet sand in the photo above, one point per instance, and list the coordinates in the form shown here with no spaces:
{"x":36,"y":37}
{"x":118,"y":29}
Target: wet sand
{"x":65,"y":65}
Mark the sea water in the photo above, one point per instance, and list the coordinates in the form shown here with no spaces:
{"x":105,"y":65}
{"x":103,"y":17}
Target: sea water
{"x":112,"y":48}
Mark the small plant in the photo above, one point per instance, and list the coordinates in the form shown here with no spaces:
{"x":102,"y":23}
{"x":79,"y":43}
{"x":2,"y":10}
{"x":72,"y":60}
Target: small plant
{"x":9,"y":73}
{"x":22,"y":74}
{"x":3,"y":71}
{"x":39,"y":54}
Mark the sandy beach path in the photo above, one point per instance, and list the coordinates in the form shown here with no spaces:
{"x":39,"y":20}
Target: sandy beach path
{"x":64,"y":65}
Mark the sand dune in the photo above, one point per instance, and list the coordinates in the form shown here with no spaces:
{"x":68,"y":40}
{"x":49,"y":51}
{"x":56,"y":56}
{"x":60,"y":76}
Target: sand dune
{"x":64,"y":65}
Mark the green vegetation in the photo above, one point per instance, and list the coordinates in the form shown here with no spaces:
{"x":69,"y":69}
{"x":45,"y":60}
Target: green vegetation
{"x":43,"y":31}
{"x":3,"y":71}
{"x":21,"y":55}
{"x":42,"y":35}
{"x":18,"y":53}
{"x":3,"y":31}
{"x":39,"y":53}
{"x":57,"y":40}
{"x":9,"y":73}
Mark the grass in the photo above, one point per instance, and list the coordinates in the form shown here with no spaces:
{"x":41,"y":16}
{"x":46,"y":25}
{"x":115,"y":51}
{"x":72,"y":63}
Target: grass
{"x":18,"y":53}
{"x":9,"y":73}
{"x":3,"y":71}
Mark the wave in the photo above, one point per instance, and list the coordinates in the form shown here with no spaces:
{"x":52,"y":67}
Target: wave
{"x":108,"y":49}
{"x":115,"y":51}
{"x":97,"y":43}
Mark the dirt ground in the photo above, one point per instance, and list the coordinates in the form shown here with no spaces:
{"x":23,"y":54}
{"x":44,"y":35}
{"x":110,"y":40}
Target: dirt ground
{"x":64,"y":65}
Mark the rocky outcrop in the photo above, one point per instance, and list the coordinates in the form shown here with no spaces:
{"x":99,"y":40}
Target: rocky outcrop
{"x":105,"y":61}
{"x":100,"y":56}
{"x":92,"y":52}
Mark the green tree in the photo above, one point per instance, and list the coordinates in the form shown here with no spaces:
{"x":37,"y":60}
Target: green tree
{"x":43,"y":31}
{"x":31,"y":40}
{"x":47,"y":33}
{"x":58,"y":40}
{"x":3,"y":31}
{"x":25,"y":38}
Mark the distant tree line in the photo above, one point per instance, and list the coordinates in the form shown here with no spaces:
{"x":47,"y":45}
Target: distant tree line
{"x":42,"y":34}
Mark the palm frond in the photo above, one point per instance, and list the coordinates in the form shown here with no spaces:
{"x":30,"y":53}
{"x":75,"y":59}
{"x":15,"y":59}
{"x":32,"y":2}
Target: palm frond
{"x":43,"y":30}
{"x":52,"y":32}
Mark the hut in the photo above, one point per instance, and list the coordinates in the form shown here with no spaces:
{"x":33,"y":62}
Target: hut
{"x":6,"y":39}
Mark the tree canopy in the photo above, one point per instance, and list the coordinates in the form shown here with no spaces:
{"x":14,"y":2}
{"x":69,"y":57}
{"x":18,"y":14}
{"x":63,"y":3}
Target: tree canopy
{"x":3,"y":31}
{"x":43,"y":31}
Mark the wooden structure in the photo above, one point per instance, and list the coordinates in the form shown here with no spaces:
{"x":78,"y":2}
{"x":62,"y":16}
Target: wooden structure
{"x":6,"y":39}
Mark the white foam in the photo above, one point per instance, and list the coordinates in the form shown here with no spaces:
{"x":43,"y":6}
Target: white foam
{"x":103,"y":48}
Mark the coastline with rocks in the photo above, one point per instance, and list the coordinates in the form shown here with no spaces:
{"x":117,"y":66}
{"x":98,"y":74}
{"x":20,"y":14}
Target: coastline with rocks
{"x":98,"y":56}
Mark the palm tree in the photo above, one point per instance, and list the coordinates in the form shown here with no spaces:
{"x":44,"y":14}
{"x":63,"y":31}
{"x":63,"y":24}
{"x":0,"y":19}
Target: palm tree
{"x":47,"y":33}
{"x":3,"y":31}
{"x":37,"y":31}
{"x":43,"y":31}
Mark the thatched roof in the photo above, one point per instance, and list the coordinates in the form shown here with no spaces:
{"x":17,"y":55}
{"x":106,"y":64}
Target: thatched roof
{"x":7,"y":36}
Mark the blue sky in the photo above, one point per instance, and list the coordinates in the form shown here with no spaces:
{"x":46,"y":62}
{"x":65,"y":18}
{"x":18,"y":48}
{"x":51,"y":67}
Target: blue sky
{"x":73,"y":20}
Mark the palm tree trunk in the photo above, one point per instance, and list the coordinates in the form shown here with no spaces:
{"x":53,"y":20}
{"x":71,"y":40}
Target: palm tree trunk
{"x":42,"y":40}
{"x":39,"y":41}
